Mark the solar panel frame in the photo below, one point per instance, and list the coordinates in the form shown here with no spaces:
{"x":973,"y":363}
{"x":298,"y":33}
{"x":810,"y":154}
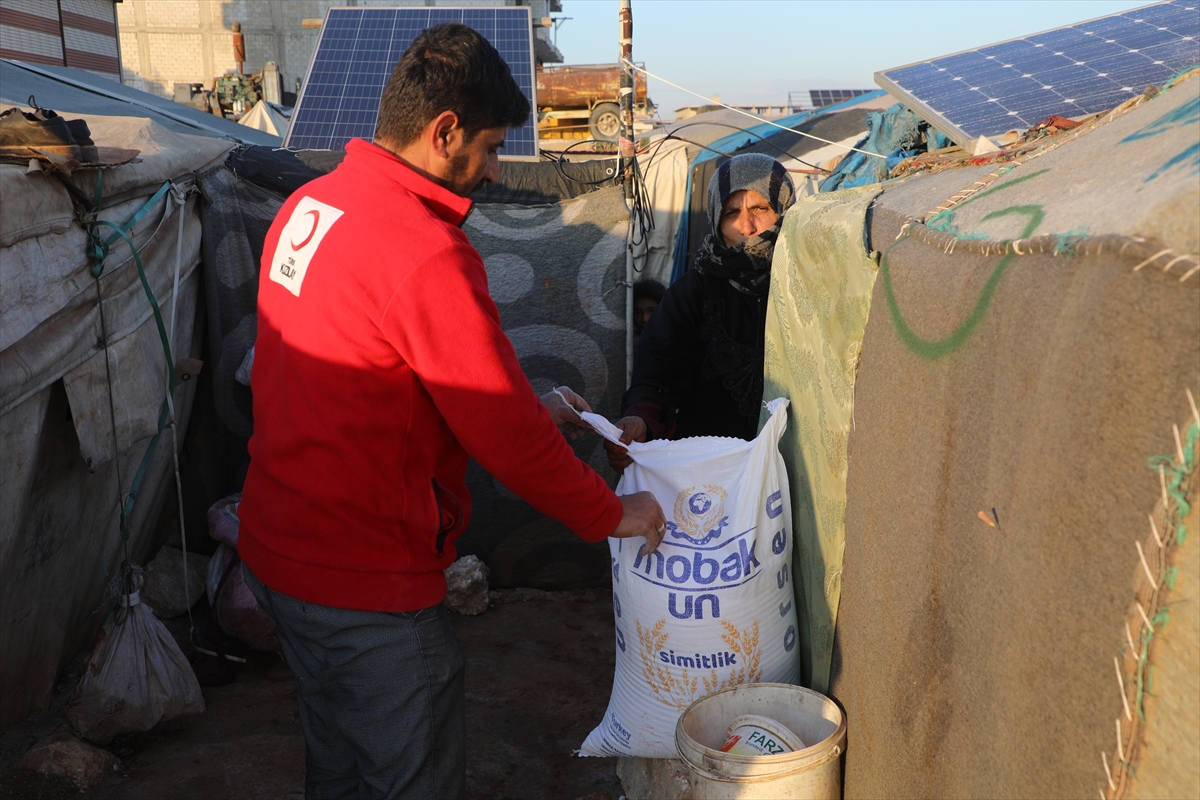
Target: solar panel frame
{"x":351,"y":101}
{"x":1051,"y":80}
{"x":820,"y":98}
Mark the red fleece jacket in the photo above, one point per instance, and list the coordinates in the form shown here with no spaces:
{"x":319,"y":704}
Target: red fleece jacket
{"x":380,"y":365}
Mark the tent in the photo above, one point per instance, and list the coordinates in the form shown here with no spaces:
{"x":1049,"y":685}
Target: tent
{"x":88,"y":93}
{"x":268,"y":117}
{"x":84,"y":380}
{"x":993,"y":370}
{"x":79,"y":340}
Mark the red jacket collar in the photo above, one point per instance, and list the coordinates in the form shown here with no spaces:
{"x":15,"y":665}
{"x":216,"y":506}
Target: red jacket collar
{"x":374,"y":160}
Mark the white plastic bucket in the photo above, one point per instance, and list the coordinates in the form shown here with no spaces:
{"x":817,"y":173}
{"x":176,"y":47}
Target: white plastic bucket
{"x":813,"y":773}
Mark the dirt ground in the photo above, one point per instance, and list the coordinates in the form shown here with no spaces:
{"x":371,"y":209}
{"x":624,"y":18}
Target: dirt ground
{"x":539,"y":672}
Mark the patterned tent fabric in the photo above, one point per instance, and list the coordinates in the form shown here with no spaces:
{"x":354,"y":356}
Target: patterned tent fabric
{"x":553,"y":272}
{"x":821,"y":282}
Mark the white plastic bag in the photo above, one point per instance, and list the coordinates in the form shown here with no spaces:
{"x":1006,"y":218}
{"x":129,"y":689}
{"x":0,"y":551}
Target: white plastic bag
{"x":712,"y":608}
{"x":136,"y":675}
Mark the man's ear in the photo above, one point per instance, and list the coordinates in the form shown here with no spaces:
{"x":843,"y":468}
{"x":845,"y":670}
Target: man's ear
{"x":444,"y":133}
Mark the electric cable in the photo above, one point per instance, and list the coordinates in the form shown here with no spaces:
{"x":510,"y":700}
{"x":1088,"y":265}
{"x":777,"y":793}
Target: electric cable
{"x":648,"y":74}
{"x":641,"y":210}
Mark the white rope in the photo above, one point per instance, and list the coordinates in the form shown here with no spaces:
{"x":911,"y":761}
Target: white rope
{"x":1121,"y":682}
{"x":182,"y":530}
{"x":179,"y":197}
{"x":754,"y":117}
{"x":567,"y":403}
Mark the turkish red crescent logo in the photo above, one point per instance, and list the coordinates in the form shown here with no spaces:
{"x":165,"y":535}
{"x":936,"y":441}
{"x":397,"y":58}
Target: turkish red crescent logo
{"x":316,"y":215}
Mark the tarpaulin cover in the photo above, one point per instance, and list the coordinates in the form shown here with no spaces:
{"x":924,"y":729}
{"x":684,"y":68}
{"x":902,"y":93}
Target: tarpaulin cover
{"x":236,"y":214}
{"x":1006,"y":405}
{"x":665,"y":175}
{"x":821,"y":281}
{"x":63,"y":471}
{"x":280,"y":171}
{"x":893,"y":133}
{"x":83,"y":92}
{"x":521,"y":182}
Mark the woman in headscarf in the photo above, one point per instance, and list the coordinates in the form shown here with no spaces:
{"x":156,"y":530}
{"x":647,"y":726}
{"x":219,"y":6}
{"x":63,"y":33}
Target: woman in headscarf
{"x":698,"y":368}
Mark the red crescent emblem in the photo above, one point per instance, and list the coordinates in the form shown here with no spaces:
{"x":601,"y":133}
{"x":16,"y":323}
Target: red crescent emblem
{"x":316,"y":215}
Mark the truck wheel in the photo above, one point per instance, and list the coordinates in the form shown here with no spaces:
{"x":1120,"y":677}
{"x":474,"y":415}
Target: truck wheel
{"x":605,"y":122}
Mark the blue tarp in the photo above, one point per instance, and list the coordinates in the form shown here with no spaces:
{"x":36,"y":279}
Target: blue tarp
{"x":894,"y":133}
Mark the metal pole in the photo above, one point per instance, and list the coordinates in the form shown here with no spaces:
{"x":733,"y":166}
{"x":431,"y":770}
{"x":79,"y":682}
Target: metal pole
{"x":625,"y":163}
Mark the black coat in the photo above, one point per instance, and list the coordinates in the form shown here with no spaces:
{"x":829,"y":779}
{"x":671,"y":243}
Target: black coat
{"x":698,"y":365}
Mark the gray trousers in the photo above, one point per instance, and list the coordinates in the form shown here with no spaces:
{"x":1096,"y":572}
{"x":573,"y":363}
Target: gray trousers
{"x":381,"y":698}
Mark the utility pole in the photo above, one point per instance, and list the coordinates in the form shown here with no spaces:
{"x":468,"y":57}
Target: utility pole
{"x":625,"y":164}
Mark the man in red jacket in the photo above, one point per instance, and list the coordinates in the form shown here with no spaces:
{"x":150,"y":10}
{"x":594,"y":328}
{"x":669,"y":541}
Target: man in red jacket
{"x":380,"y":366}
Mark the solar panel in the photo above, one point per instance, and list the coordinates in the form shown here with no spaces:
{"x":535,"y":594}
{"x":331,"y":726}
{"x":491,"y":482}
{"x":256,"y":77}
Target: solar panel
{"x":1072,"y":71}
{"x":359,"y":47}
{"x":827,"y":97}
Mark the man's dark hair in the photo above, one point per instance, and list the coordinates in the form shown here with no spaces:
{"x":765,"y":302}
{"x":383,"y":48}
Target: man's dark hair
{"x":449,"y":67}
{"x":649,"y":289}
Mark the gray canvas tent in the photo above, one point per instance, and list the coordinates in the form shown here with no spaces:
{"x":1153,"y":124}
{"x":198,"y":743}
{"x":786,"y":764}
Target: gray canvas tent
{"x":73,"y":346}
{"x":88,"y":93}
{"x":83,"y":380}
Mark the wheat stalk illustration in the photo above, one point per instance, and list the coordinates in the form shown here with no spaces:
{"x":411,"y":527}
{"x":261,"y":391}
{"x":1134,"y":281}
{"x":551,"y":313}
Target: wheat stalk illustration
{"x":745,"y":644}
{"x":680,"y":692}
{"x":668,"y":690}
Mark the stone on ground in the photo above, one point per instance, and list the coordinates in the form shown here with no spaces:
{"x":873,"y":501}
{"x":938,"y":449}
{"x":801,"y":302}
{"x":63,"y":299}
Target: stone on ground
{"x":467,"y":586}
{"x":63,"y":753}
{"x":164,"y":589}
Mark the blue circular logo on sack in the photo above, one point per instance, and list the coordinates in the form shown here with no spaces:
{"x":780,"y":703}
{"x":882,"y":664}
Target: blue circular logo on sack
{"x":699,"y":503}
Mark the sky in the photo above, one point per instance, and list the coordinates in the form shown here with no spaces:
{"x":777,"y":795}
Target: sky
{"x":756,"y":51}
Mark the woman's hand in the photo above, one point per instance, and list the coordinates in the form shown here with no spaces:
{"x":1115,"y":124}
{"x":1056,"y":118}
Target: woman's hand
{"x":564,"y":407}
{"x":633,"y":430}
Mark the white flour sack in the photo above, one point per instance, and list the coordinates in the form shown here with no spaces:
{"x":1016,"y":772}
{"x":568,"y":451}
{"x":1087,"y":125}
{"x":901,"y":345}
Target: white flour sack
{"x":712,"y":607}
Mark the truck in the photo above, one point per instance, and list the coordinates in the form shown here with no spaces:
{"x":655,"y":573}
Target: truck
{"x":581,"y":101}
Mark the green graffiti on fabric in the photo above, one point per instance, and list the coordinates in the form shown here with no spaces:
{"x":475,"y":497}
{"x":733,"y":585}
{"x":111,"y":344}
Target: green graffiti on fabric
{"x":931,"y":349}
{"x":1003,"y":186}
{"x":1176,"y":478}
{"x":944,"y":220}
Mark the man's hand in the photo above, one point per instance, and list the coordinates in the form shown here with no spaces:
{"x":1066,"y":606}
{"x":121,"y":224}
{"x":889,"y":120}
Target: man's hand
{"x":642,"y":516}
{"x":634,"y":431}
{"x":564,"y":407}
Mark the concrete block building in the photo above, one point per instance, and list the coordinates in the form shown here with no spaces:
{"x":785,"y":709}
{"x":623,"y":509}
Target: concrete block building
{"x":64,"y":33}
{"x":164,"y":42}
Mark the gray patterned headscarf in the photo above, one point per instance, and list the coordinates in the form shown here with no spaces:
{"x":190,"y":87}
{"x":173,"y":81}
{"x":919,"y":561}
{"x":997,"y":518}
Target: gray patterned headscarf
{"x":747,"y":266}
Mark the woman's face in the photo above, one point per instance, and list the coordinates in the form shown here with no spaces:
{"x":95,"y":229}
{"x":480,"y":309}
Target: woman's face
{"x":746,"y":213}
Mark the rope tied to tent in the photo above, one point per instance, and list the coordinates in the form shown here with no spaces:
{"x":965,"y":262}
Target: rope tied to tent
{"x":98,"y":249}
